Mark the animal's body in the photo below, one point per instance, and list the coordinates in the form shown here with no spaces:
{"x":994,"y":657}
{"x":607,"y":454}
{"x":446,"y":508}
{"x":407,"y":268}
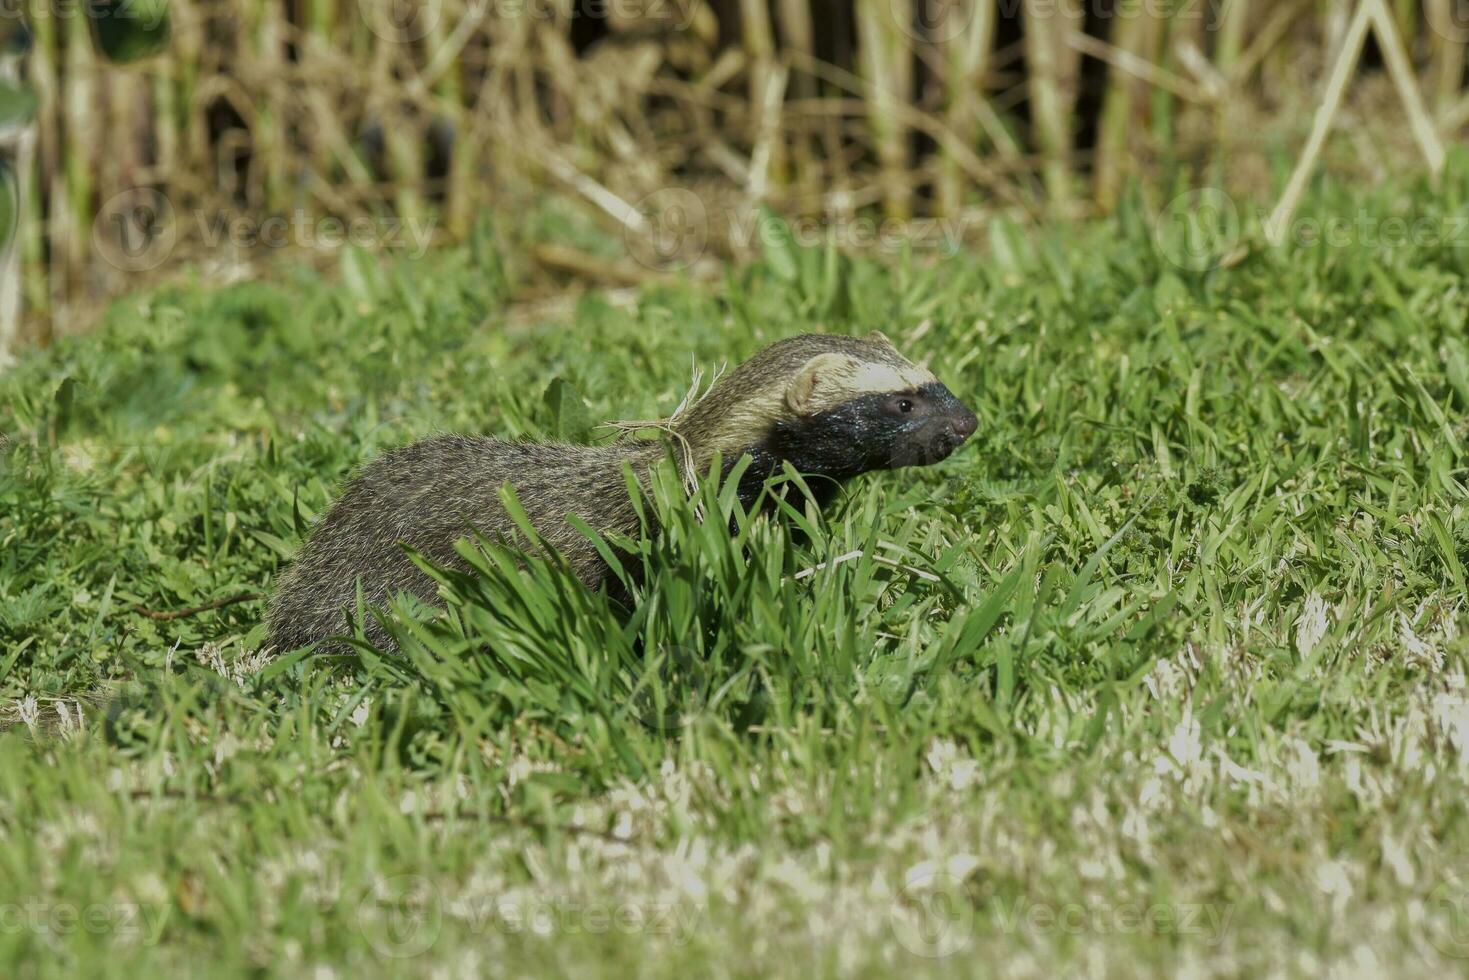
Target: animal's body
{"x":832,"y":406}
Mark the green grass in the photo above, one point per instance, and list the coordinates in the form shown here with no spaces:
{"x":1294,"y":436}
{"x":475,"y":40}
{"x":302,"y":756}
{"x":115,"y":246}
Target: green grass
{"x":1163,"y":671}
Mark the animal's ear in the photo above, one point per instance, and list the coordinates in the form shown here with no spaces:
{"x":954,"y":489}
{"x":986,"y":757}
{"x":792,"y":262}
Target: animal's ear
{"x":880,"y":339}
{"x":819,"y":372}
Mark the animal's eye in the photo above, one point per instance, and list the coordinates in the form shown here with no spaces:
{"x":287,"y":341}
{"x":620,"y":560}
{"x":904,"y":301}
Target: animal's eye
{"x":905,"y":405}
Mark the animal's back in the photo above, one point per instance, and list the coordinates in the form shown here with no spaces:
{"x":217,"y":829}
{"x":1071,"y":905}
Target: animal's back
{"x":429,"y":495}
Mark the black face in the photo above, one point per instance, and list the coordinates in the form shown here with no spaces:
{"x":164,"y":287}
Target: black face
{"x":876,"y":432}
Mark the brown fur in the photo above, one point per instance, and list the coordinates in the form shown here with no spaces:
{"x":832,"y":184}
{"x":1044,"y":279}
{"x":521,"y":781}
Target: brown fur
{"x":430,"y":494}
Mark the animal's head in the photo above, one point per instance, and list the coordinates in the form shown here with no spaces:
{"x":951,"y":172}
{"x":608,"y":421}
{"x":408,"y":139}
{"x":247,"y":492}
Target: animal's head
{"x":832,"y":405}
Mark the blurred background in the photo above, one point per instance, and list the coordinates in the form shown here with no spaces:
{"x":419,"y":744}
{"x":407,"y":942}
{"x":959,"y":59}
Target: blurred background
{"x":612,"y":142}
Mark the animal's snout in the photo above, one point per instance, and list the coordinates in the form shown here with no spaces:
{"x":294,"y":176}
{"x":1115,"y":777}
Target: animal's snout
{"x":963,"y":424}
{"x":947,"y":433}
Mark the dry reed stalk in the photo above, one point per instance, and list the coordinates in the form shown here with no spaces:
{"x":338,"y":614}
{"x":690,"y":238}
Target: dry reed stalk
{"x":1047,"y":25}
{"x":966,"y":64}
{"x":72,"y":220}
{"x":1400,"y":69}
{"x":1119,"y":106}
{"x":268,"y":123}
{"x":1449,"y":39}
{"x":30,"y":247}
{"x":759,"y":39}
{"x":187,"y":60}
{"x":1405,"y":17}
{"x":639,"y":107}
{"x":1163,"y":105}
{"x":798,"y":35}
{"x":128,"y":122}
{"x":1130,"y":63}
{"x":402,"y":144}
{"x":319,"y":21}
{"x":765,"y":156}
{"x":1268,"y":39}
{"x":1230,"y":42}
{"x":1341,"y":73}
{"x":985,"y":174}
{"x":165,"y":122}
{"x":17,"y":144}
{"x":886,"y":64}
{"x":41,"y":72}
{"x":442,"y":48}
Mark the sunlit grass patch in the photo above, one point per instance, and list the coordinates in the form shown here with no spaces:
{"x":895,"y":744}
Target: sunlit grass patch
{"x":1164,"y":670}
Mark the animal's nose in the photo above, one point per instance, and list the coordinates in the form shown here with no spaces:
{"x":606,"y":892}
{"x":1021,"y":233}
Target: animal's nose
{"x":965,"y":424}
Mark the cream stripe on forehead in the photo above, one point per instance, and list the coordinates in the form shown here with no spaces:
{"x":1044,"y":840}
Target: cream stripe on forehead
{"x":853,"y":378}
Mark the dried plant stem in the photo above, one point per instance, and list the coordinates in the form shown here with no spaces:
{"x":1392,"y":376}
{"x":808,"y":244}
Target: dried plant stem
{"x":1233,"y":17}
{"x":1448,"y":54}
{"x":1390,"y":42}
{"x":74,"y":220}
{"x":1118,"y":107}
{"x":42,"y":71}
{"x":267,"y":128}
{"x":794,"y":17}
{"x":760,"y":46}
{"x":1267,"y":39}
{"x":334,"y":105}
{"x":887,"y":65}
{"x":1341,"y":74}
{"x":966,"y":65}
{"x":1047,"y":25}
{"x":443,"y":74}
